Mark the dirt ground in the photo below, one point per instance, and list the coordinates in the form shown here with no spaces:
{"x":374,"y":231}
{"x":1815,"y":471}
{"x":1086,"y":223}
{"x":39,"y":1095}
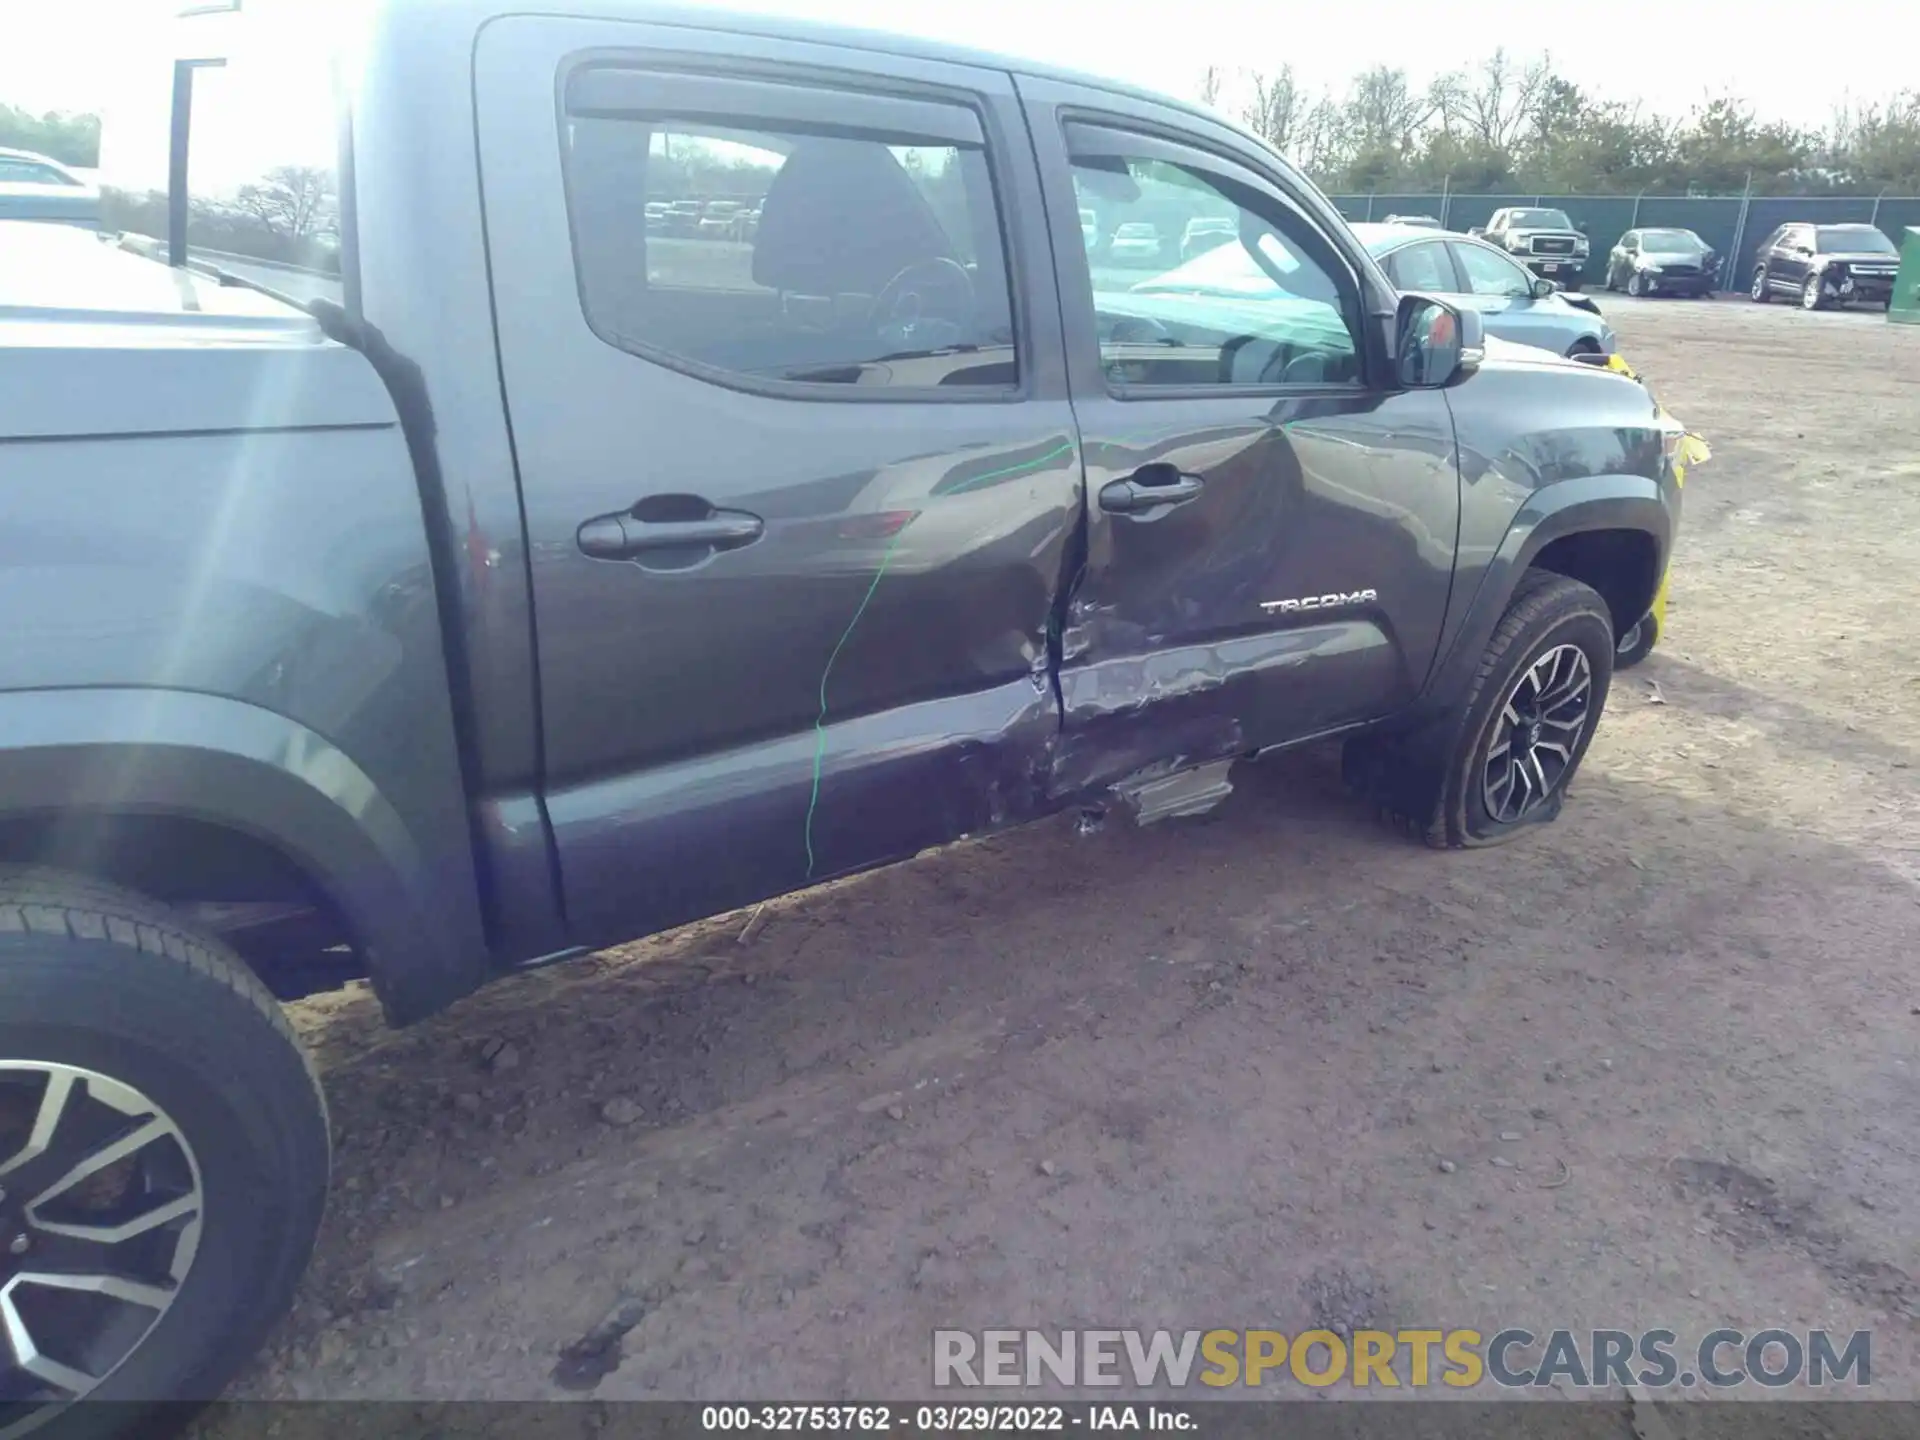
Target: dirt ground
{"x":1669,"y":1048}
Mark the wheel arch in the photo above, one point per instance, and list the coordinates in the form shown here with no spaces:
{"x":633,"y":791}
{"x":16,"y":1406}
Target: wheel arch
{"x":1612,"y":532}
{"x":213,"y":800}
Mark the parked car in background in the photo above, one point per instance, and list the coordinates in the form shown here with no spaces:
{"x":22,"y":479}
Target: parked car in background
{"x":1546,"y":241}
{"x":745,"y":223}
{"x":35,"y":187}
{"x":1662,"y":261}
{"x":683,"y":217}
{"x":1135,"y":243}
{"x":1826,"y":265}
{"x":1090,"y":230}
{"x":656,"y":212}
{"x":1205,"y":232}
{"x":1425,"y":222}
{"x":1514,"y":304}
{"x":717,"y":220}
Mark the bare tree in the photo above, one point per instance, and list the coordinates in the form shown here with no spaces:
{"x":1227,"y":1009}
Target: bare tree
{"x":292,"y":201}
{"x":1494,"y":103}
{"x":1275,"y":108}
{"x":1385,"y":112}
{"x":1212,"y":80}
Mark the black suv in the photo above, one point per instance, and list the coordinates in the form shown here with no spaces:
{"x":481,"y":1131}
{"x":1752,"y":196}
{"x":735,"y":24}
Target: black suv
{"x":1826,"y":265}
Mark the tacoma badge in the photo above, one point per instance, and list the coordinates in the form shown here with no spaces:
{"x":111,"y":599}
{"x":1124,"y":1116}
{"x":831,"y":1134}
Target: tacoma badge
{"x":1320,"y":602}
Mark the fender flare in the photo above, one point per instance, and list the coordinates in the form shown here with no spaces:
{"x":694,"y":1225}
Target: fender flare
{"x":1565,"y":507}
{"x":413,"y":915}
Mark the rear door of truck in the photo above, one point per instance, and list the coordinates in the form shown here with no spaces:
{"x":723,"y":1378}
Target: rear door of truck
{"x":798,"y":502}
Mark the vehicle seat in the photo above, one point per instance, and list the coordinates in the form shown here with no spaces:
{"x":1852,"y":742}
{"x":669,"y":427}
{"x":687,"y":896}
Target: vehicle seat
{"x":839,"y":221}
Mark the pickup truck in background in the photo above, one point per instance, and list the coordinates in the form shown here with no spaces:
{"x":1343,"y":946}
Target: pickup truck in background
{"x":571,"y":578}
{"x":1546,"y":241}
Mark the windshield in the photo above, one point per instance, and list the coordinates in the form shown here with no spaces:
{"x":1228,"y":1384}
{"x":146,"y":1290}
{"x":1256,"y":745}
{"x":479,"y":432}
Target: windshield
{"x":15,"y":170}
{"x":1671,"y":242}
{"x":1861,"y":239}
{"x":1541,"y":220}
{"x":264,"y":141}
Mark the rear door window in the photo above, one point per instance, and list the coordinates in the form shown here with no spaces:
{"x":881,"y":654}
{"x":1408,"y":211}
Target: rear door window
{"x":1423,"y":267}
{"x":785,"y":234}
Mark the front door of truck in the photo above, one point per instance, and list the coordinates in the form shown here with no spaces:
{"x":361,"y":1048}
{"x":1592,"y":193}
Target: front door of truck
{"x":798,"y":465}
{"x":1271,"y":527}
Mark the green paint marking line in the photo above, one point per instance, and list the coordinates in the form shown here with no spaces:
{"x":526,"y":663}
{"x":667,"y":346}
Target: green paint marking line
{"x":820,"y":721}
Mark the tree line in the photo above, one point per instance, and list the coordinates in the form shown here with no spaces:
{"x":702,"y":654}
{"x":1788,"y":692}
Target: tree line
{"x":1514,"y":125}
{"x":70,"y":139}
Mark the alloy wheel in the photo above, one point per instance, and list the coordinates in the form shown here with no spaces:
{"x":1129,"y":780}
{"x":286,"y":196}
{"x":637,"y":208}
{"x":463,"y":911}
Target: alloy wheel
{"x":1758,"y":290}
{"x":1537,"y":733}
{"x":1810,"y":293}
{"x":101,"y":1206}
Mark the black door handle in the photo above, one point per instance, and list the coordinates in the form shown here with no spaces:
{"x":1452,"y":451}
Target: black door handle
{"x":1151,"y":487}
{"x":626,"y":536}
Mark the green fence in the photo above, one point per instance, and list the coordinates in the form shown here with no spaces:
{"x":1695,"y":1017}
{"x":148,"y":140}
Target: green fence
{"x":1717,"y":220}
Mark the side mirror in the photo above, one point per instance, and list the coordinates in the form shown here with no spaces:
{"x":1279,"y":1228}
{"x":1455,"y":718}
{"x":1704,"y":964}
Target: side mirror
{"x":1436,"y":344}
{"x":1543,"y":287}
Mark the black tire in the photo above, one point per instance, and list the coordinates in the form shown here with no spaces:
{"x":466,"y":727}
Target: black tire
{"x":1636,"y":644}
{"x":1759,"y":291}
{"x":1572,"y":287}
{"x":1431,"y":782}
{"x":96,"y":979}
{"x":1812,"y":294}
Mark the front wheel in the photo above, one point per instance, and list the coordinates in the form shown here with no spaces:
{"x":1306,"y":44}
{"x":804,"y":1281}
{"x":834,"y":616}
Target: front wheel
{"x":163,"y":1158}
{"x":1812,"y":297}
{"x":1758,"y":291}
{"x":1502,"y":761}
{"x":1636,"y":284}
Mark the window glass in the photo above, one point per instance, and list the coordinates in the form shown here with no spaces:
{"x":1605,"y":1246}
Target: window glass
{"x":1670,"y":242}
{"x":1489,"y":273}
{"x":1422,"y":267}
{"x":14,"y":171}
{"x":1199,"y":281}
{"x":809,"y":254}
{"x":1539,"y":220}
{"x":1858,"y":239}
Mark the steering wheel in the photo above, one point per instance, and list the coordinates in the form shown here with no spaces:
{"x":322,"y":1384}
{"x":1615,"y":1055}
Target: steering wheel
{"x":929,"y":305}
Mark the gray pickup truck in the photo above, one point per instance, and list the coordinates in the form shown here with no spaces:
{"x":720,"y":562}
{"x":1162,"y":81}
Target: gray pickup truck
{"x":564,"y":580}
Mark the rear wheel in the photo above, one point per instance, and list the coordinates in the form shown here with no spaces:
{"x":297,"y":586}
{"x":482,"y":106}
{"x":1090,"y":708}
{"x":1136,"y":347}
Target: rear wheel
{"x":163,"y":1158}
{"x":1502,"y":761}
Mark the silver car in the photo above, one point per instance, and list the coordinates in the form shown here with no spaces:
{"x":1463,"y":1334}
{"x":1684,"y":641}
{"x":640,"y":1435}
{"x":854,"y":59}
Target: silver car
{"x":1515,"y":304}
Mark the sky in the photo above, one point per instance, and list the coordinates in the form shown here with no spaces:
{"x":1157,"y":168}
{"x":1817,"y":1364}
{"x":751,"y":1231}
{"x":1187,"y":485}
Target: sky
{"x":1668,"y":54}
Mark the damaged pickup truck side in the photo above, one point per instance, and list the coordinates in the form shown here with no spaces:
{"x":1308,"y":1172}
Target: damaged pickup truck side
{"x":568,"y":577}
